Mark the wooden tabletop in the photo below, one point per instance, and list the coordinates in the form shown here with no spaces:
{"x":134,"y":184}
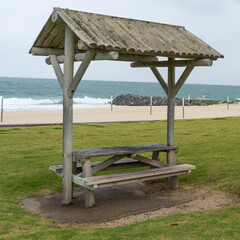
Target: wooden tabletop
{"x":108,"y":151}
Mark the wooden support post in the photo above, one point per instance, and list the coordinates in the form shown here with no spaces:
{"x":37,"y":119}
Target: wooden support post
{"x":88,"y":194}
{"x":155,"y":155}
{"x":111,"y":104}
{"x":171,"y":162}
{"x":183,"y":107}
{"x":74,"y":172}
{"x":151,"y":105}
{"x":170,"y":120}
{"x":171,"y":107}
{"x":67,"y":118}
{"x":2,"y":110}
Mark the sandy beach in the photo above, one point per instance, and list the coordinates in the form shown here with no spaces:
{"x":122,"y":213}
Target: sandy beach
{"x":120,"y":114}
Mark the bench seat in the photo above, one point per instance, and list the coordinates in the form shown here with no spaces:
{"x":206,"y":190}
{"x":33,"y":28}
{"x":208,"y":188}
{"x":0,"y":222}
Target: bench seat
{"x":120,"y":164}
{"x":84,"y":169}
{"x":129,"y":177}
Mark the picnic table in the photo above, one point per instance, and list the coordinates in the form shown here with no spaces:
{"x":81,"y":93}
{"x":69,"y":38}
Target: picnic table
{"x":85,"y":169}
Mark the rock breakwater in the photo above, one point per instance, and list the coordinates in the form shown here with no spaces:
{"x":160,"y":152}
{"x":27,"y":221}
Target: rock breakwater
{"x":136,"y":100}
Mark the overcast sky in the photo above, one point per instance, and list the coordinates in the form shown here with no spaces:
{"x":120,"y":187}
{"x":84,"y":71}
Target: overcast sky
{"x":214,"y":21}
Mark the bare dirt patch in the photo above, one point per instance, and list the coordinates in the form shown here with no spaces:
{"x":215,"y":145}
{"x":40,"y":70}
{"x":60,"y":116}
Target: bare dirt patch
{"x":122,"y":205}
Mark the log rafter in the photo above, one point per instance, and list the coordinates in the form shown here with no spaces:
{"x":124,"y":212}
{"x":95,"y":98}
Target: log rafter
{"x":175,"y":63}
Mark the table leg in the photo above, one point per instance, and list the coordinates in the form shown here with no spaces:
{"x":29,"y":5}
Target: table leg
{"x":88,"y":194}
{"x":155,"y":156}
{"x":74,"y":171}
{"x":171,"y":160}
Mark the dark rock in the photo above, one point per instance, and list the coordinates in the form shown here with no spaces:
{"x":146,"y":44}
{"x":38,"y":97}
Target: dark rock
{"x":136,"y":100}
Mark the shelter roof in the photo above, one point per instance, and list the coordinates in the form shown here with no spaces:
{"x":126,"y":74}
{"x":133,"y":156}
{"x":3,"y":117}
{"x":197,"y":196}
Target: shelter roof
{"x":128,"y":36}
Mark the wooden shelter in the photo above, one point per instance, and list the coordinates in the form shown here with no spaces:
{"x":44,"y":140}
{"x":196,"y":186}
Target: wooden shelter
{"x":70,"y":36}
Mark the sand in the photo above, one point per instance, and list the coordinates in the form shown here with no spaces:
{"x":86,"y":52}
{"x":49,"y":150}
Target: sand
{"x":128,"y":204}
{"x":120,"y":114}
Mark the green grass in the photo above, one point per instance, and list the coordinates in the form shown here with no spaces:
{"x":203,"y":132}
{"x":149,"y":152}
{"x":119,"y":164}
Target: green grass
{"x":210,"y":144}
{"x":208,"y":101}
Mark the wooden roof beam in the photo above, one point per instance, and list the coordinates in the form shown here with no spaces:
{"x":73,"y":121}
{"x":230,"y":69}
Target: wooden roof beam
{"x":176,"y":63}
{"x":40,"y":51}
{"x":112,"y":56}
{"x":81,"y":56}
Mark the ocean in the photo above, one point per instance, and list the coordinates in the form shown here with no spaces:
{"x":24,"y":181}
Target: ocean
{"x":20,"y":94}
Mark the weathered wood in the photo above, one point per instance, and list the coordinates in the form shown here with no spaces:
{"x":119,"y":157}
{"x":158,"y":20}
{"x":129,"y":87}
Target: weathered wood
{"x":78,"y":180}
{"x":57,"y":70}
{"x":137,"y":175}
{"x":112,"y":56}
{"x":111,"y":104}
{"x":82,"y":57}
{"x":133,"y":57}
{"x":88,"y":194}
{"x":79,"y":154}
{"x":177,"y":63}
{"x":160,"y":79}
{"x":170,"y":110}
{"x":148,"y":161}
{"x":181,"y":80}
{"x":74,"y":171}
{"x":82,"y":45}
{"x":151,"y":105}
{"x":67,"y":119}
{"x":79,"y":74}
{"x":120,"y":164}
{"x":140,"y":180}
{"x":183,"y":107}
{"x":39,"y":51}
{"x":100,"y":56}
{"x":170,"y":117}
{"x":2,"y":109}
{"x":55,"y":17}
{"x":172,"y":162}
{"x":155,"y":155}
{"x":107,"y":163}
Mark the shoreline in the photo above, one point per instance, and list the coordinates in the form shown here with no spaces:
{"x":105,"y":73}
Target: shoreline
{"x":119,"y":114}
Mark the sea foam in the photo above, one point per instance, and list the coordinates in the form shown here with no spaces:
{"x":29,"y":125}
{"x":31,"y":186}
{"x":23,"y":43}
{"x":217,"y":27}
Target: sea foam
{"x":29,"y":104}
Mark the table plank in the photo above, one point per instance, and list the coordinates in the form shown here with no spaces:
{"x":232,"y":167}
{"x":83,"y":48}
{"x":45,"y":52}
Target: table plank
{"x":108,"y":151}
{"x":136,"y":175}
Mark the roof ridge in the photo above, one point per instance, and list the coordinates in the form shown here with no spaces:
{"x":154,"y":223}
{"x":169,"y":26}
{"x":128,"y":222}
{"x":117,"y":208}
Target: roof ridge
{"x":132,"y":19}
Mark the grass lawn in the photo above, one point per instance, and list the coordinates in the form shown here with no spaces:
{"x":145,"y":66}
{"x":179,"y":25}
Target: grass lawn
{"x":210,"y":144}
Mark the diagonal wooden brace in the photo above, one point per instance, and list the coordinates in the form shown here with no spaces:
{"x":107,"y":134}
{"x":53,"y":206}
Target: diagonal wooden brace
{"x":160,"y":79}
{"x":80,"y":72}
{"x":147,"y":160}
{"x":57,"y":69}
{"x":181,"y":81}
{"x":107,"y":163}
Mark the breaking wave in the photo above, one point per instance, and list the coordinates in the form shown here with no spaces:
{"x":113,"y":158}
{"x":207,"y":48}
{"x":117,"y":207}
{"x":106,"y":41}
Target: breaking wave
{"x":29,"y":104}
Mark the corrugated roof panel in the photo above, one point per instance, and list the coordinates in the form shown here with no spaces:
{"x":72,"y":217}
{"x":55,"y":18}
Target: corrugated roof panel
{"x":124,"y":35}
